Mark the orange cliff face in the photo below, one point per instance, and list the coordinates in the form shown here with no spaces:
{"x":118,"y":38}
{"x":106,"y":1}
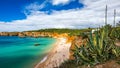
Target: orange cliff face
{"x":70,"y":39}
{"x":4,"y":33}
{"x":8,"y":33}
{"x":13,"y":33}
{"x":30,"y":34}
{"x":39,"y":34}
{"x":78,"y":41}
{"x":21,"y":34}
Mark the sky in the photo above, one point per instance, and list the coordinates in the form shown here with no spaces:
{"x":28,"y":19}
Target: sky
{"x":23,"y":15}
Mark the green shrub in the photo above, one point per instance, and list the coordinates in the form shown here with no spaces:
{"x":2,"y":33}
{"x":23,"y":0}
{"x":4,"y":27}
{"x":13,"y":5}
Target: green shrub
{"x":99,"y":49}
{"x":115,"y":33}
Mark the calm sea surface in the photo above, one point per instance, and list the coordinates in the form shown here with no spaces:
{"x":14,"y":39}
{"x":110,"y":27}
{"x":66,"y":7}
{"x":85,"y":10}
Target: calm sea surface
{"x":18,"y":52}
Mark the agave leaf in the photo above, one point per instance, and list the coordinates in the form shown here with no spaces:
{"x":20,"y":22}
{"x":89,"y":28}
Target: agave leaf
{"x":101,"y":40}
{"x":83,"y":57}
{"x":114,"y":51}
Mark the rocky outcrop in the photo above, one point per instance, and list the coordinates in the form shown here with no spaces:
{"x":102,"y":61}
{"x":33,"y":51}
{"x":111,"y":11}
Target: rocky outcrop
{"x":29,"y":34}
{"x":9,"y":33}
{"x":4,"y":34}
{"x":13,"y":33}
{"x":21,"y":34}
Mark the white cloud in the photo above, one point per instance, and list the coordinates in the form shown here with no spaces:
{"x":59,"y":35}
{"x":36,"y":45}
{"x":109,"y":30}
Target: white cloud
{"x":57,"y":2}
{"x":92,"y":15}
{"x":35,"y":7}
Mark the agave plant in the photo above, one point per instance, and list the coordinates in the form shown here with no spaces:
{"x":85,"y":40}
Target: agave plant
{"x":99,"y":49}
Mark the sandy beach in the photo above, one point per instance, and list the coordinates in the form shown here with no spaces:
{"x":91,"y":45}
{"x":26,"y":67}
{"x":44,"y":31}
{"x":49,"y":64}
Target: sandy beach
{"x":58,"y":55}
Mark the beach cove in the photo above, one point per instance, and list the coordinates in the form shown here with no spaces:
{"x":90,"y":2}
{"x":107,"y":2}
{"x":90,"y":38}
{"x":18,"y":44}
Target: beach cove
{"x":16,"y":52}
{"x":59,"y":52}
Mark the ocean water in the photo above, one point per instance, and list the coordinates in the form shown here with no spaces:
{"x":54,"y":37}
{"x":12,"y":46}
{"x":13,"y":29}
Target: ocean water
{"x":18,"y":52}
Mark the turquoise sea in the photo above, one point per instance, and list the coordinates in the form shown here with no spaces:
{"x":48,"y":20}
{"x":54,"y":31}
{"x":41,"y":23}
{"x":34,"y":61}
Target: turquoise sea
{"x":16,"y":52}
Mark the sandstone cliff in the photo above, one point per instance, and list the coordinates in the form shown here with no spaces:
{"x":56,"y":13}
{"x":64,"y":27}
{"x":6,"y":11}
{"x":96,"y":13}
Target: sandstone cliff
{"x":29,"y":34}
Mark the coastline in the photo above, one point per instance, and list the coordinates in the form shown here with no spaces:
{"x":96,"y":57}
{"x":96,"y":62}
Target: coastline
{"x":58,"y":54}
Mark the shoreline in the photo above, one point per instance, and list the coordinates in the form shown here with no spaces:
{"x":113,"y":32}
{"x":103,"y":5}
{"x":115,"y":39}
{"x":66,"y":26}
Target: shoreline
{"x":58,"y":54}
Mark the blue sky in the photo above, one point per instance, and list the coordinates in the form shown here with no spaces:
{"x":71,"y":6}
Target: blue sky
{"x":14,"y":9}
{"x":23,"y":15}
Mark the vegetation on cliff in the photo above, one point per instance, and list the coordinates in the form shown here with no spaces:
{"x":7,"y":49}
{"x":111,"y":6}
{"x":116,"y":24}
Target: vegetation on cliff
{"x":60,"y":31}
{"x":46,"y":32}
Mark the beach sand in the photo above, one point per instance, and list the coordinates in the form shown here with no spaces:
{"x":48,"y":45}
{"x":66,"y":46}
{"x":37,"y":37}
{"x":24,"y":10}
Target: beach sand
{"x":58,"y":55}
